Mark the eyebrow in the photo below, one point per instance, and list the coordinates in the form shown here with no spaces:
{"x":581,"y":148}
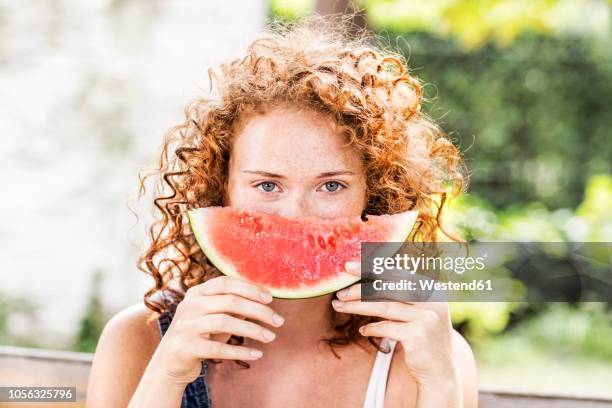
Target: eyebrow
{"x":322,"y":175}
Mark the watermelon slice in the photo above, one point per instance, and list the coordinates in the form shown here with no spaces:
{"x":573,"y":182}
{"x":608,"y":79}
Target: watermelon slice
{"x":292,"y":258}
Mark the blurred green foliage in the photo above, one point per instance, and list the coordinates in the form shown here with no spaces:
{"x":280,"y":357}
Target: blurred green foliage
{"x":476,"y":219}
{"x":532,"y":119}
{"x":477,"y":321}
{"x":290,"y":9}
{"x":595,"y":212}
{"x":559,"y":329}
{"x":586,"y":328}
{"x":21,"y":310}
{"x":472,"y":22}
{"x":93,"y":320}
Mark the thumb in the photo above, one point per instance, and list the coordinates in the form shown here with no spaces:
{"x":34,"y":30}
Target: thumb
{"x":353,"y":268}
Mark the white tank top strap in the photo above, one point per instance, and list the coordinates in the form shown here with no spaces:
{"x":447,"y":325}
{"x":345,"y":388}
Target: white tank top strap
{"x":375,"y":396}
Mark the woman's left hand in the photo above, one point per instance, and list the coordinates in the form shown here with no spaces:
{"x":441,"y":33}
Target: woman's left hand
{"x":425,"y":332}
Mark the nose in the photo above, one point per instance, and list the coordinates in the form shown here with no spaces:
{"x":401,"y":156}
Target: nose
{"x":296,"y":205}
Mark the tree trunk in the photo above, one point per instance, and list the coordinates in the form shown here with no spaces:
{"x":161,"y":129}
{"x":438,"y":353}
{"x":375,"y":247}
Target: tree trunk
{"x":359,"y":19}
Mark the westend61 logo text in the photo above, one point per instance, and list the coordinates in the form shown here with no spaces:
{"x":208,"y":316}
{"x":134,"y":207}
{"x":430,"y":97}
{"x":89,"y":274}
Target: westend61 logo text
{"x":412,"y":264}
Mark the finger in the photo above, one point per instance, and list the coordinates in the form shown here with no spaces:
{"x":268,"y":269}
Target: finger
{"x":353,"y":268}
{"x":238,"y":306}
{"x":391,"y":330}
{"x":353,"y":292}
{"x":441,"y":308}
{"x":222,"y":323}
{"x":228,"y":284}
{"x":223,"y":351}
{"x":387,"y":310}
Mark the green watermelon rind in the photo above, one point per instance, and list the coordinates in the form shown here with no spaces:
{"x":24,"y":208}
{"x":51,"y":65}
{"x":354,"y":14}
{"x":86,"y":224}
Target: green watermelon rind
{"x":198,"y":226}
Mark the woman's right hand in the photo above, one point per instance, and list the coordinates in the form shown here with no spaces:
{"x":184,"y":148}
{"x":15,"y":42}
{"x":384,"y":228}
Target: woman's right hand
{"x":204,"y":321}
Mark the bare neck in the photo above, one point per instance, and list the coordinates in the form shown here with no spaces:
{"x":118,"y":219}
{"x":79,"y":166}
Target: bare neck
{"x":307,"y":321}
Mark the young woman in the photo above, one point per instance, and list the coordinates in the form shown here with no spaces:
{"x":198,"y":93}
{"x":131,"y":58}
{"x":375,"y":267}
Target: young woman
{"x":308,"y":123}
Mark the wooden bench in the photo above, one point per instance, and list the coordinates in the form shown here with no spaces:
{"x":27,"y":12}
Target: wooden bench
{"x":36,"y":367}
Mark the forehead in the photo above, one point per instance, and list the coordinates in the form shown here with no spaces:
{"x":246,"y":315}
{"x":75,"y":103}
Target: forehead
{"x":291,"y":139}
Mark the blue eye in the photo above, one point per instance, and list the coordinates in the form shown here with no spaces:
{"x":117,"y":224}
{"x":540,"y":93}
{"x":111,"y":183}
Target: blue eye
{"x":267,"y":186}
{"x":332,"y":186}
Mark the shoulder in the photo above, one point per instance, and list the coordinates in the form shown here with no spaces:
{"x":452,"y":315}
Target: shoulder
{"x":464,"y":357}
{"x":135,"y":323}
{"x":128,"y":341}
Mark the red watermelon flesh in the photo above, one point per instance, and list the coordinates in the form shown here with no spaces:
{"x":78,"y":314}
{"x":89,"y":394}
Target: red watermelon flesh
{"x":292,"y":258}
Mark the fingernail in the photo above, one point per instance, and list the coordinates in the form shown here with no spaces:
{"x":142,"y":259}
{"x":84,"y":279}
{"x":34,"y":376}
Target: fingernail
{"x":268,"y":335}
{"x":278,"y":319}
{"x":266,"y":297}
{"x":256,"y":353}
{"x":343,"y":293}
{"x":337,"y":303}
{"x":351,"y":265}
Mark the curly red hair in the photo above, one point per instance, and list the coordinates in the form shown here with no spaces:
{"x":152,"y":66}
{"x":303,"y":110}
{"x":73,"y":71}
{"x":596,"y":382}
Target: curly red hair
{"x":314,"y":63}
